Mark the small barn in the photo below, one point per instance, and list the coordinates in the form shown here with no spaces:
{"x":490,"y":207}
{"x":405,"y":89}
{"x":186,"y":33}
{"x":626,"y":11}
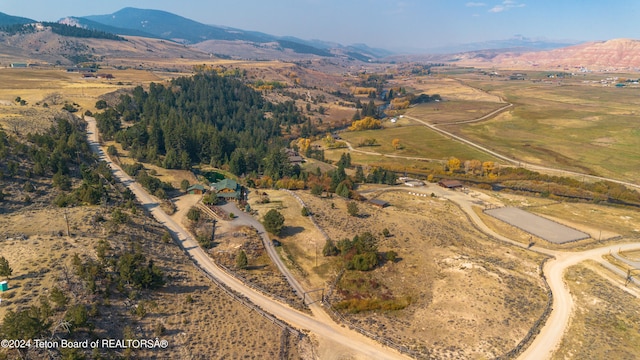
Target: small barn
{"x":379,"y":203}
{"x":196,"y":189}
{"x":450,"y":184}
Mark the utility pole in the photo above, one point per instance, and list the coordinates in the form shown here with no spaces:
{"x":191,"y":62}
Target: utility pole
{"x":213,"y":229}
{"x":66,"y":218}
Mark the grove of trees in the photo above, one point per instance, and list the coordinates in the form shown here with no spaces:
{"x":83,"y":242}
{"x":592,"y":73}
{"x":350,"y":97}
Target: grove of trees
{"x":206,"y":118}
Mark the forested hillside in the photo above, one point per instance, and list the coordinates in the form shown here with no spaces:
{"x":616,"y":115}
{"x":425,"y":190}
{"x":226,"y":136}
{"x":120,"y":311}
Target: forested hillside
{"x":206,"y":118}
{"x":60,"y":29}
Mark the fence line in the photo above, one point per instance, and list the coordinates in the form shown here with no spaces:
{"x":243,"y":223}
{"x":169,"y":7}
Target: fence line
{"x":535,"y":329}
{"x":311,"y":217}
{"x":241,"y":299}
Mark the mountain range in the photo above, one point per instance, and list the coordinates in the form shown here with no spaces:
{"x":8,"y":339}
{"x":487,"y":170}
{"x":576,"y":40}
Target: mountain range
{"x":199,"y":41}
{"x":232,"y":41}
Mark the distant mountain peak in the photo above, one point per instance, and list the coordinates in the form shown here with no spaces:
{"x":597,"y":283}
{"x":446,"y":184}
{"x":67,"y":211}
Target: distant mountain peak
{"x":163,"y":24}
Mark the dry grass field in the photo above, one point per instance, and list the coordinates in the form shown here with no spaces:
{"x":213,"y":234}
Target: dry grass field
{"x":300,"y":239}
{"x":467,"y":296}
{"x":415,"y":140}
{"x":447,"y":87}
{"x":200,"y":320}
{"x":605,"y":324}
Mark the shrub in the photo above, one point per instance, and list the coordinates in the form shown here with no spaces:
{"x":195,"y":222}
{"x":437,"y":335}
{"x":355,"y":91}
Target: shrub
{"x":352,"y":208}
{"x":392,"y":256}
{"x":184,"y":185}
{"x":193,"y":214}
{"x":241,"y":260}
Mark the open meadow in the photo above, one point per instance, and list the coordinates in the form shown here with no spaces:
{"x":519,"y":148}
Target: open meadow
{"x":415,"y":141}
{"x":565,"y":123}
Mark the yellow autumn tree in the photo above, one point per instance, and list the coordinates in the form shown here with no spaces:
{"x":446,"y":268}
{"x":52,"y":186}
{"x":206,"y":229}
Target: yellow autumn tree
{"x":400,"y":104}
{"x":368,"y":123}
{"x":453,"y":164}
{"x":488,"y":167}
{"x":303,"y":144}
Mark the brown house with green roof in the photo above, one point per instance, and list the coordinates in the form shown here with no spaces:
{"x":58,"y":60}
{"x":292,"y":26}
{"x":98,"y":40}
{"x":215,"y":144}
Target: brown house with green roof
{"x":228,"y":189}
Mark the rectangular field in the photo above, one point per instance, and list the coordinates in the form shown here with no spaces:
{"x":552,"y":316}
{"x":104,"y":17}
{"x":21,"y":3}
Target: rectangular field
{"x":537,"y":225}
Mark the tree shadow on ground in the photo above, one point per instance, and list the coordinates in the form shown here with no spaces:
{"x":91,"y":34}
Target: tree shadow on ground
{"x":291,"y":231}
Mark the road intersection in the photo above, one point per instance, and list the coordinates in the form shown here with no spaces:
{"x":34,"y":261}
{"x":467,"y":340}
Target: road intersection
{"x":321,"y":324}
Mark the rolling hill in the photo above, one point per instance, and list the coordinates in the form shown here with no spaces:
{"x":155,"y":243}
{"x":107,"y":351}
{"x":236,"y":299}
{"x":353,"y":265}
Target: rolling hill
{"x":6,"y":19}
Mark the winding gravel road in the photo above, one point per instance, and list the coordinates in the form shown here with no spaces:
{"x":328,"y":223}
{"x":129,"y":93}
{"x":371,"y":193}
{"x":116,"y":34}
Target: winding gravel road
{"x":541,"y":348}
{"x":322,"y":326}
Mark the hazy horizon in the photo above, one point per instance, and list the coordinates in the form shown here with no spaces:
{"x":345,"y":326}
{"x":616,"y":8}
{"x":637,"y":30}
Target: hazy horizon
{"x":394,"y":25}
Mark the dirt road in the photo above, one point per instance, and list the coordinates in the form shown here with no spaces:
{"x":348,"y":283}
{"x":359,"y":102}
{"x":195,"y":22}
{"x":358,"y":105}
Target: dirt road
{"x":546,"y":342}
{"x":348,"y":343}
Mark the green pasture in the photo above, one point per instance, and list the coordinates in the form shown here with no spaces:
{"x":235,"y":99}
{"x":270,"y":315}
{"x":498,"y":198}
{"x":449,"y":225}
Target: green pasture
{"x":415,"y":141}
{"x":396,"y":164}
{"x":444,"y":112}
{"x":586,"y":128}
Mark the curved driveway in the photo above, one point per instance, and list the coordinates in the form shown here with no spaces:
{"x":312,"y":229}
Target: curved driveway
{"x":322,"y":326}
{"x":542,"y":347}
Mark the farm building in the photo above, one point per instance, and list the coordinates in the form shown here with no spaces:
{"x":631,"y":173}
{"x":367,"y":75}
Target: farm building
{"x":294,"y":157}
{"x":196,"y":189}
{"x":18,"y":65}
{"x":227,"y":189}
{"x":450,"y":184}
{"x":379,"y":203}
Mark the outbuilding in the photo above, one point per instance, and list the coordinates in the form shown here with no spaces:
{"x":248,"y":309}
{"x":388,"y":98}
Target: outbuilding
{"x":196,"y":189}
{"x":450,"y":184}
{"x":379,"y":203}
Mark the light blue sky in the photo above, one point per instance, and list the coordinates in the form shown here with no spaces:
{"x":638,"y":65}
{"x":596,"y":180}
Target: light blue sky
{"x":391,"y":24}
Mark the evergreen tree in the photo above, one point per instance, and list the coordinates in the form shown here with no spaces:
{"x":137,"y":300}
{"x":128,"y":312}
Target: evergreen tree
{"x":343,"y":190}
{"x":5,"y":269}
{"x":359,"y":177}
{"x":273,"y":221}
{"x":338,"y":176}
{"x":237,"y":165}
{"x":329,"y":248}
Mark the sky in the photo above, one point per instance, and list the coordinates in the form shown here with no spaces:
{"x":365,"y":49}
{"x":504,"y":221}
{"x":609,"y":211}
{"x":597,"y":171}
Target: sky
{"x":389,"y":24}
